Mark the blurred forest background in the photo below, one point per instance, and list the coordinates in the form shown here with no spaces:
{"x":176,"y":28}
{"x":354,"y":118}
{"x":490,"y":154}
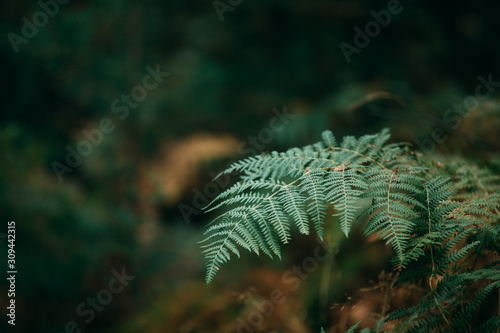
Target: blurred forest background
{"x":132,"y":202}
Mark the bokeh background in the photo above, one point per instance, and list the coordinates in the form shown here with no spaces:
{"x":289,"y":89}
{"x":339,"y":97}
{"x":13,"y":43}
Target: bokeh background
{"x":132,"y":202}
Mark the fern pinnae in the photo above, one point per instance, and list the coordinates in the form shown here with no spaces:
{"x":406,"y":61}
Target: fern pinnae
{"x":258,"y":237}
{"x":217,"y":251}
{"x":294,"y":205}
{"x":273,"y":210}
{"x":269,"y":233}
{"x":329,"y":139}
{"x":353,"y":327}
{"x":345,"y":187}
{"x":457,"y":255}
{"x":278,"y":219}
{"x":390,"y":222}
{"x":345,"y":222}
{"x":316,"y":208}
{"x":244,"y":198}
{"x":239,"y":188}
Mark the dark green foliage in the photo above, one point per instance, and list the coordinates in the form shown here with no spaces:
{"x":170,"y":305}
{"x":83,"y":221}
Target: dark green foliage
{"x":434,"y":216}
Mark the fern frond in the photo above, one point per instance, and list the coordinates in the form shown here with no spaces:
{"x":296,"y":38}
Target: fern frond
{"x":434,"y":217}
{"x":298,"y":186}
